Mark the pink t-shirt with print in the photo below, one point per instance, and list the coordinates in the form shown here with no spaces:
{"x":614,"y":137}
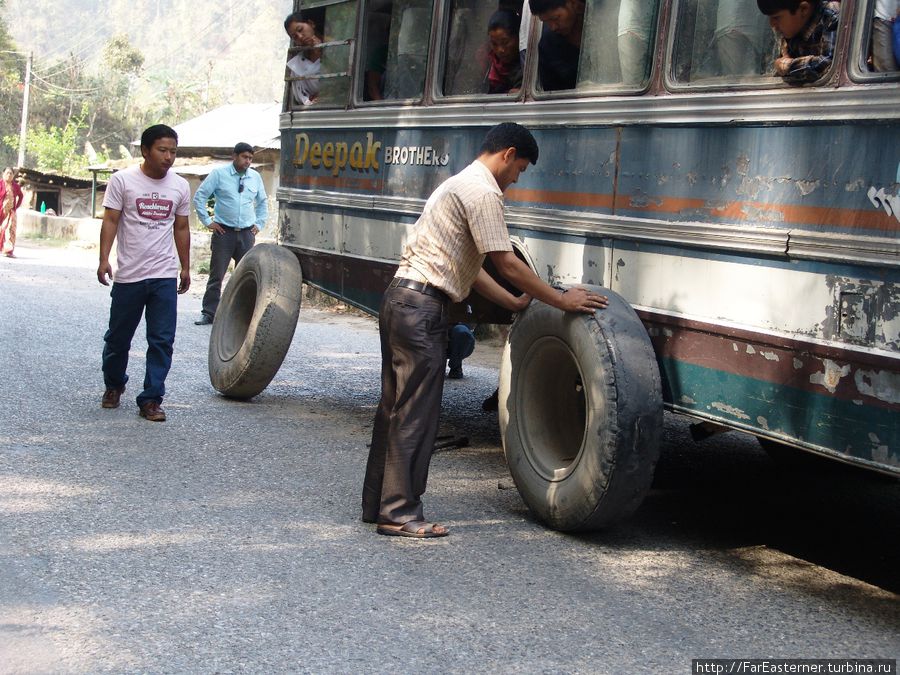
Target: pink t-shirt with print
{"x":145,"y":247}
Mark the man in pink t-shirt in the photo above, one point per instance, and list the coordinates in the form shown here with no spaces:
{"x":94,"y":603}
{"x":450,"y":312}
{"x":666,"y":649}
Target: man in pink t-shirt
{"x":146,"y":210}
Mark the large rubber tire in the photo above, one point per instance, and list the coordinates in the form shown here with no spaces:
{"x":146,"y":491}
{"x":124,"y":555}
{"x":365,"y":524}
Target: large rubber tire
{"x":581,"y":413}
{"x":255,"y":321}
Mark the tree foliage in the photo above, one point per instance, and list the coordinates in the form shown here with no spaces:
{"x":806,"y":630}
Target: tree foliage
{"x":135,"y":63}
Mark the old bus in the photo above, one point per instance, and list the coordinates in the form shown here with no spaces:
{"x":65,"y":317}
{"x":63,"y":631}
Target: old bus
{"x":746,"y":229}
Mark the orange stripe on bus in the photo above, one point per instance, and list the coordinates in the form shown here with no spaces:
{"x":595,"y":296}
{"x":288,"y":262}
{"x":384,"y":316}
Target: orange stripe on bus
{"x":736,"y":211}
{"x":562,"y":198}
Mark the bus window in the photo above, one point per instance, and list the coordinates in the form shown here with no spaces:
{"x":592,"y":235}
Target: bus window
{"x":607,"y":44}
{"x":722,"y":41}
{"x":881,"y":56}
{"x":395,"y":49}
{"x":482,"y":54}
{"x":622,"y":57}
{"x":322,"y":77}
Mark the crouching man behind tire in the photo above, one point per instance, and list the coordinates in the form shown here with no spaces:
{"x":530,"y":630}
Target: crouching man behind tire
{"x":461,"y":224}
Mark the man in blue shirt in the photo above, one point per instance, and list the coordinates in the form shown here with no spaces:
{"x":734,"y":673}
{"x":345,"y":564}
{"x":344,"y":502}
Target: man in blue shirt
{"x":240,"y":212}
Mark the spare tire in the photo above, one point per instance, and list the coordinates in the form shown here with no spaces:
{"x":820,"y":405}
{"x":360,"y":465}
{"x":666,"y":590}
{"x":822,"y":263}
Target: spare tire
{"x":581,"y":413}
{"x":255,"y":321}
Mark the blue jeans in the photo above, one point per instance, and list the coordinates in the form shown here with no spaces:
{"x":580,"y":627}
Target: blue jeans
{"x":460,"y":345}
{"x":160,"y":299}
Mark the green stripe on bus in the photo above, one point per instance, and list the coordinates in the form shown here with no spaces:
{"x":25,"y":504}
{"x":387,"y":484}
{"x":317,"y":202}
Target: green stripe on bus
{"x":857,"y":430}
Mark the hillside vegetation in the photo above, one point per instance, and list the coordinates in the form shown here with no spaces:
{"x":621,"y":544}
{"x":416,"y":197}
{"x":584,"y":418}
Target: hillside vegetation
{"x":103,"y":70}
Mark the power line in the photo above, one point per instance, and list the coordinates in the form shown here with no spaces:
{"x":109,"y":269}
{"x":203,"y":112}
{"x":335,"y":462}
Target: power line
{"x":66,"y":90}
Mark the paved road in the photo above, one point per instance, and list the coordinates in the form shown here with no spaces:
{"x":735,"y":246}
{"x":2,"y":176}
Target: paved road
{"x":228,"y":540}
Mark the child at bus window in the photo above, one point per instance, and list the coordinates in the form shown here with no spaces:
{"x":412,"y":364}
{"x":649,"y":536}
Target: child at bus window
{"x":505,"y":72}
{"x":808,"y":29}
{"x":560,"y":47}
{"x":886,"y":12}
{"x":306,"y":63}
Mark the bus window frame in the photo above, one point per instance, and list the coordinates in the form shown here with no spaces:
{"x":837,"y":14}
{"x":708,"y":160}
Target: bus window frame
{"x":356,"y":99}
{"x":766,"y":82}
{"x":596,"y":91}
{"x":859,"y":48}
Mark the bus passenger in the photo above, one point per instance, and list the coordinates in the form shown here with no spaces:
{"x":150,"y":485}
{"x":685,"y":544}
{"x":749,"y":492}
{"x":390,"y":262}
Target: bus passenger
{"x":635,"y":28}
{"x":524,"y":30}
{"x":886,"y":11}
{"x":505,"y":73}
{"x":560,"y":45}
{"x":741,"y":43}
{"x":808,"y":29}
{"x":461,"y":224}
{"x":306,"y":63}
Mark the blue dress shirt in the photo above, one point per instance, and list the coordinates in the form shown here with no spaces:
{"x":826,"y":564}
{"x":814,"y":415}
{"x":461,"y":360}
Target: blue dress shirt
{"x":240,"y":199}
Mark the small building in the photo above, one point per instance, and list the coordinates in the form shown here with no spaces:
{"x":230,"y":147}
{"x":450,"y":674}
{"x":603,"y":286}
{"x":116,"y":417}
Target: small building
{"x":60,"y":195}
{"x":207,"y":141}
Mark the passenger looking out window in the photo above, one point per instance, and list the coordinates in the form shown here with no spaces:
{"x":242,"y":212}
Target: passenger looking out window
{"x":482,"y":48}
{"x":306,"y":63}
{"x":886,"y":13}
{"x":808,"y":29}
{"x":560,"y":45}
{"x":505,"y":72}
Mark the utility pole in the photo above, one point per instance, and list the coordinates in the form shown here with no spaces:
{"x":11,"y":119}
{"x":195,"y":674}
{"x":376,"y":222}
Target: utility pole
{"x":24,"y":128}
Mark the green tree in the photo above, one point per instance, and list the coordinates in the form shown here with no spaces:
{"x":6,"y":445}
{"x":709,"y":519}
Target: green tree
{"x":12,"y":68}
{"x":56,"y":149}
{"x":122,"y":57}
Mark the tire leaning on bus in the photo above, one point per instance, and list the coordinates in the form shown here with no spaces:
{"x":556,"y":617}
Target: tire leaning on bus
{"x":255,"y":321}
{"x":581,"y":413}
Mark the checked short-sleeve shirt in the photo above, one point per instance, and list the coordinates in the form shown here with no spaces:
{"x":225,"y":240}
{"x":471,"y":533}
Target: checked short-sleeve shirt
{"x":461,"y":223}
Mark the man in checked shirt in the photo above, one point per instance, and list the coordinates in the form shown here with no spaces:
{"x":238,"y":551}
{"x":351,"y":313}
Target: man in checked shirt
{"x":808,"y":29}
{"x":461,"y":224}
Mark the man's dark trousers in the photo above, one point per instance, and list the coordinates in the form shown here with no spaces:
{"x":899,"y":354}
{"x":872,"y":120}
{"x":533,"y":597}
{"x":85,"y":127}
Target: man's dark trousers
{"x":413,"y":329}
{"x":225,"y":247}
{"x":159,"y":297}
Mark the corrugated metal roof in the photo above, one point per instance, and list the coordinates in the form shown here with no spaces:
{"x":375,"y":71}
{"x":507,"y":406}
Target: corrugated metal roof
{"x":253,"y":123}
{"x":205,"y":169}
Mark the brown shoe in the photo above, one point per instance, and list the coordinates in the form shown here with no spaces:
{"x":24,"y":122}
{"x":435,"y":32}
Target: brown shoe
{"x":151,"y":411}
{"x":111,"y":397}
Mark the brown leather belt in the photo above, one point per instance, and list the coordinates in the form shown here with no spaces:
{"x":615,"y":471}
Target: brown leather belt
{"x":413,"y":285}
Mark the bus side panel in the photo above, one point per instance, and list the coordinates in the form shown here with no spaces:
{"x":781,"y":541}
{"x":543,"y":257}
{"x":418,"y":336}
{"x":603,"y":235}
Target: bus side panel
{"x":813,"y":178}
{"x":791,"y":392}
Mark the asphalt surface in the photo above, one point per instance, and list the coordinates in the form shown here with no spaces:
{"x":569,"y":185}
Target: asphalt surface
{"x":228,"y":539}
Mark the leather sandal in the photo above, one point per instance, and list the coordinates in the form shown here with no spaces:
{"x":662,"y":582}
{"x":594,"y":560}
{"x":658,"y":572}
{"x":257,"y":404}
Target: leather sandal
{"x":417,"y":529}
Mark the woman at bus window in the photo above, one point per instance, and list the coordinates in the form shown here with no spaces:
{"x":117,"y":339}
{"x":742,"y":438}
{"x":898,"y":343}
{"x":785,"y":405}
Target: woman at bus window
{"x":886,"y":11}
{"x":306,"y":63}
{"x":808,"y":29}
{"x":505,"y":72}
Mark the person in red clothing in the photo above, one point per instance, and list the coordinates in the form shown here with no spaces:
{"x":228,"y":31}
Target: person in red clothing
{"x":10,"y":200}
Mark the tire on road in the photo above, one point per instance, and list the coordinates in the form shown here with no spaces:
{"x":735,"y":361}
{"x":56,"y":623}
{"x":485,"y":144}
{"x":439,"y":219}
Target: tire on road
{"x":581,"y":413}
{"x":255,"y":321}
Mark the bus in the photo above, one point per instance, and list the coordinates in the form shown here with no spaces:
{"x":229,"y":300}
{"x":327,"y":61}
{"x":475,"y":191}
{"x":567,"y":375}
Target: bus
{"x":745,"y":227}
